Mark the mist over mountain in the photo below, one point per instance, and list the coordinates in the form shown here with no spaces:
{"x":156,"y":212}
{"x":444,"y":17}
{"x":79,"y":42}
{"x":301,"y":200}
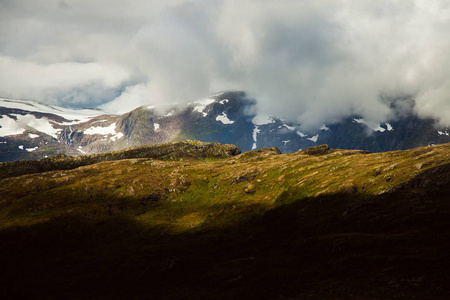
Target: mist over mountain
{"x":33,"y":130}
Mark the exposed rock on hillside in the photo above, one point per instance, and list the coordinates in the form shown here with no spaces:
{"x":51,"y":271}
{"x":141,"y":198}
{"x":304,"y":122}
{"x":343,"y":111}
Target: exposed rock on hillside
{"x":317,"y":150}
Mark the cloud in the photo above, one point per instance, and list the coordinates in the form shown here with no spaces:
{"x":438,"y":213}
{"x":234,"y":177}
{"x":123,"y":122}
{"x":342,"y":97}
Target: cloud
{"x":311,"y":61}
{"x":78,"y":83}
{"x":132,"y":97}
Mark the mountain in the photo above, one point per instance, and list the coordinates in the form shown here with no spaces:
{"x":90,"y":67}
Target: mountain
{"x":30,"y":130}
{"x":196,"y":220}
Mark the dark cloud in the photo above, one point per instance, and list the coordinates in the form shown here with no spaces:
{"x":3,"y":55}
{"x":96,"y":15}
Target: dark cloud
{"x":311,"y":61}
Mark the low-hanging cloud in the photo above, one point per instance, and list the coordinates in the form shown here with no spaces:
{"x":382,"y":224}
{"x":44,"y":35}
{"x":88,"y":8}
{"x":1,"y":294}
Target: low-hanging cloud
{"x":311,"y":61}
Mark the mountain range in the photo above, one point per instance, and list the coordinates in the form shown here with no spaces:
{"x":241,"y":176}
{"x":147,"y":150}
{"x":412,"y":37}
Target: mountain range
{"x":32,"y":130}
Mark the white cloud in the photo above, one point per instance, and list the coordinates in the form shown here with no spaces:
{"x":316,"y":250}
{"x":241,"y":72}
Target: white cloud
{"x":24,"y":79}
{"x":313,"y":61}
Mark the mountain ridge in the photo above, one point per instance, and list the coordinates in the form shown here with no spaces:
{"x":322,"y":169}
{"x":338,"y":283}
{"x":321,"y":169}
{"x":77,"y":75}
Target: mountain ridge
{"x":228,"y":118}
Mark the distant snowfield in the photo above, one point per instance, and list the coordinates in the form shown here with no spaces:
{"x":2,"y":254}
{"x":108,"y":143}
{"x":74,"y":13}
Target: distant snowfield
{"x":10,"y":126}
{"x":74,"y":115}
{"x":13,"y":127}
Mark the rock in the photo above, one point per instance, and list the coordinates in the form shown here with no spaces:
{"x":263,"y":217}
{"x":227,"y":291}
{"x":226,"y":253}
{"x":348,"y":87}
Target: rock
{"x":250,"y":189}
{"x":269,"y":150}
{"x":317,"y":150}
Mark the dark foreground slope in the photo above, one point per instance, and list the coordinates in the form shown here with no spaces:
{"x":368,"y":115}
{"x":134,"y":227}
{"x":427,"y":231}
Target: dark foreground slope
{"x":317,"y":224}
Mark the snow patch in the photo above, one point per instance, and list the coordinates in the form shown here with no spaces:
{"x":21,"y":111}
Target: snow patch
{"x":443,"y":133}
{"x":117,"y":136}
{"x":360,"y":121}
{"x":224,"y":101}
{"x":32,"y":149}
{"x":99,"y":121}
{"x":201,"y":105}
{"x":324,"y":128}
{"x":262,"y":120}
{"x":33,"y":136}
{"x":224,"y":119}
{"x":255,"y":135}
{"x":285,"y":142}
{"x":314,"y":138}
{"x":389,"y":127}
{"x":301,"y":134}
{"x":111,"y":129}
{"x":9,"y":126}
{"x":105,"y":131}
{"x":20,"y":147}
{"x":289,"y":127}
{"x":170,"y":113}
{"x":156,"y":126}
{"x":379,"y":128}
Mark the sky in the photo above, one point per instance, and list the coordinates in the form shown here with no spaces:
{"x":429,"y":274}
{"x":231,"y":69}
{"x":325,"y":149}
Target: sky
{"x":314,"y":62}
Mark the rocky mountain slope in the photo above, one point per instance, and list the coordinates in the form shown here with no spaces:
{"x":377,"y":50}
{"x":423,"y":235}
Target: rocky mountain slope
{"x":207,"y":221}
{"x":30,"y":130}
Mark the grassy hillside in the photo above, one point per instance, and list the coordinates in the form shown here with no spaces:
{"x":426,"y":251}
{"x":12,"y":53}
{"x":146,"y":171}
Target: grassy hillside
{"x":314,"y":224}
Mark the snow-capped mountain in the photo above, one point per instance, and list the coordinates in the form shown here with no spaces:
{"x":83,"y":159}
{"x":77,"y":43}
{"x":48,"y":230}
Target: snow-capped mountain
{"x":31,"y":130}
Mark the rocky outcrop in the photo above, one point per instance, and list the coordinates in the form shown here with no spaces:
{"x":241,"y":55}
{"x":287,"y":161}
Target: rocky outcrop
{"x":317,"y":150}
